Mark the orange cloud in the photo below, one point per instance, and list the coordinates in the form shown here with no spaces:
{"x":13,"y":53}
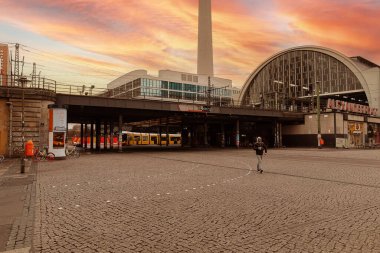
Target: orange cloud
{"x":351,"y":27}
{"x":155,"y":35}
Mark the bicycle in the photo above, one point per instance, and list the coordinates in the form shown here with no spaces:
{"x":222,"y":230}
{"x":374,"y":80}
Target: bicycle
{"x":18,"y":151}
{"x":74,"y":152}
{"x":43,"y":155}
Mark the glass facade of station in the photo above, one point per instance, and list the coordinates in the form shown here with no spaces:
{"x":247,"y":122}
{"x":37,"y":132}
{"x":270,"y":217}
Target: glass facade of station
{"x":160,"y":89}
{"x":286,"y":82}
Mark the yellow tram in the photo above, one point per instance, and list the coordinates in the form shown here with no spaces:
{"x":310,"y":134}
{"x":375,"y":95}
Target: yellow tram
{"x":135,"y":138}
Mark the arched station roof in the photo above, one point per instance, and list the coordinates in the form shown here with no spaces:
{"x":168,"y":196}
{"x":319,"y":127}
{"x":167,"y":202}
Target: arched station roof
{"x":246,"y":92}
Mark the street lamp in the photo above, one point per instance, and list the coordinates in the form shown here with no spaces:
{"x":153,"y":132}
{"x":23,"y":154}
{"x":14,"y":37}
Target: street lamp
{"x":23,"y":81}
{"x":276,"y":93}
{"x":295,"y":86}
{"x":91,"y":88}
{"x":318,"y":114}
{"x":208,"y":94}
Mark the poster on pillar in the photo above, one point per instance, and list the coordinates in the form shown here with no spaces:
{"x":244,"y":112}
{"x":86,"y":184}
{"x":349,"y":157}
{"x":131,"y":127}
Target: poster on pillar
{"x":57,"y":131}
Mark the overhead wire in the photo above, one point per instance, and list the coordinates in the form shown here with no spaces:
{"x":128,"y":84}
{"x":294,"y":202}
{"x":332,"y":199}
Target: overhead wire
{"x":52,"y":55}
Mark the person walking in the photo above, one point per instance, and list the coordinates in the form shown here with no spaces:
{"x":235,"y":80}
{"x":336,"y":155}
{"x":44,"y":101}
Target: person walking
{"x":260,"y":147}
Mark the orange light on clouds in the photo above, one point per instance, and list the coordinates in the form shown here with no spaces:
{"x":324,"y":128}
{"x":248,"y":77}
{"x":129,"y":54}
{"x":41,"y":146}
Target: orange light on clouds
{"x":121,"y":36}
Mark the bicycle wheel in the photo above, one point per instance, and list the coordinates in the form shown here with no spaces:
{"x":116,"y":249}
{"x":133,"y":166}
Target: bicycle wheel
{"x":50,"y":156}
{"x":76,"y":154}
{"x":69,"y":154}
{"x":39,"y":156}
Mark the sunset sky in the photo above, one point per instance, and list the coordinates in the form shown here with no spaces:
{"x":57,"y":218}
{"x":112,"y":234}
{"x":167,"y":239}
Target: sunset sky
{"x":93,"y":42}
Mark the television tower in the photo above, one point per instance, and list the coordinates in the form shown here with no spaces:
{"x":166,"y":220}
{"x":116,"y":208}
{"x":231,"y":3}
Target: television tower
{"x":205,"y":55}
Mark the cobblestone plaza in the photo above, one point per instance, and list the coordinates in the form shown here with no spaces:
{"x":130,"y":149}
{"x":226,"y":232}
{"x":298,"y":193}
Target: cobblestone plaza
{"x":210,"y":201}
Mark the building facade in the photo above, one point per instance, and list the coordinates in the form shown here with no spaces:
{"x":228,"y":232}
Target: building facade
{"x":174,"y":86}
{"x":4,"y":64}
{"x":348,"y":89}
{"x":289,"y":79}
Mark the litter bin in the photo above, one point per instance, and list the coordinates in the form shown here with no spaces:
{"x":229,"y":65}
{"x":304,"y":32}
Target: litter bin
{"x":29,"y":148}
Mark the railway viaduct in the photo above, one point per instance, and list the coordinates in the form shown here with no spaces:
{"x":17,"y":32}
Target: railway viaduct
{"x":106,"y":116}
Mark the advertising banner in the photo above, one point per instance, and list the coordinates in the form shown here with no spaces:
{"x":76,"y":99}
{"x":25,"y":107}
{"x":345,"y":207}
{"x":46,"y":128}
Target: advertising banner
{"x":57,"y":120}
{"x":350,"y":107}
{"x":57,"y":131}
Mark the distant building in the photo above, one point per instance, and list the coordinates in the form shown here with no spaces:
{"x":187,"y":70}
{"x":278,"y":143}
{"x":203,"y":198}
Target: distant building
{"x":4,"y":64}
{"x":288,"y":80}
{"x":181,"y":86}
{"x":174,"y":86}
{"x":349,"y":91}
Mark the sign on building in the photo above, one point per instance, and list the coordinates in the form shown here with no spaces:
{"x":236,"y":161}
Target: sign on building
{"x":350,"y":107}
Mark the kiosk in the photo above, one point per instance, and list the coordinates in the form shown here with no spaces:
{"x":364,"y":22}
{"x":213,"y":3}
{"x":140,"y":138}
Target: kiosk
{"x":57,"y":131}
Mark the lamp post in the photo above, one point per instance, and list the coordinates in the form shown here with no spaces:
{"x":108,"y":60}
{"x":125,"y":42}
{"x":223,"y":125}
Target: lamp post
{"x":293,"y":97}
{"x":91,"y":88}
{"x":23,"y":81}
{"x":318,"y":114}
{"x":208,"y":94}
{"x":210,"y":89}
{"x":276,"y":93}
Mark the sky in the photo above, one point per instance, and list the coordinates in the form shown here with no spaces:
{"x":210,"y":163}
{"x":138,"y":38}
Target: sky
{"x":88,"y":42}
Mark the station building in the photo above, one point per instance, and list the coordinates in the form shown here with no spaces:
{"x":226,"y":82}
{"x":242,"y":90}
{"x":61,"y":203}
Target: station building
{"x":174,"y":86}
{"x":349,"y":95}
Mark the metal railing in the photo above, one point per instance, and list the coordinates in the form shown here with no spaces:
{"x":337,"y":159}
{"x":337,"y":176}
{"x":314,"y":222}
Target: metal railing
{"x":45,"y":84}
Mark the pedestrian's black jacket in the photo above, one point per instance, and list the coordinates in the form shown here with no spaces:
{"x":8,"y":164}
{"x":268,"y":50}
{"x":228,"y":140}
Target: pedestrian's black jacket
{"x":260,"y":147}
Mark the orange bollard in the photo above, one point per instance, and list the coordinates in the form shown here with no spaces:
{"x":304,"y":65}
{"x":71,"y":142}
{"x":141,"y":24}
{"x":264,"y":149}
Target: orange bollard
{"x":29,"y":148}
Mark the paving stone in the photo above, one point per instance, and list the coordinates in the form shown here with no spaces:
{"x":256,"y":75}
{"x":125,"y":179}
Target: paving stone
{"x":305,"y":201}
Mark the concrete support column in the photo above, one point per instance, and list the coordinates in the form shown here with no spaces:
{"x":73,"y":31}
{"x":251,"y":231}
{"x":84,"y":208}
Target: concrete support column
{"x":206,"y":134}
{"x":335,"y":129}
{"x":223,"y":138}
{"x":111,"y":135}
{"x":81,"y":135}
{"x":159,"y":133}
{"x":237,"y":133}
{"x":105,"y":135}
{"x":92,"y":136}
{"x":182,"y":136}
{"x":278,"y":135}
{"x":10,"y":138}
{"x":120,"y":133}
{"x":167,"y":132}
{"x":191,"y":138}
{"x":85,"y":135}
{"x":98,"y":135}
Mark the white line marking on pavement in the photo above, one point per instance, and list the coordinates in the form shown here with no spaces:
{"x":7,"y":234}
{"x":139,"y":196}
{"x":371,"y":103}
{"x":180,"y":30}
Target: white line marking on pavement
{"x":108,"y":201}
